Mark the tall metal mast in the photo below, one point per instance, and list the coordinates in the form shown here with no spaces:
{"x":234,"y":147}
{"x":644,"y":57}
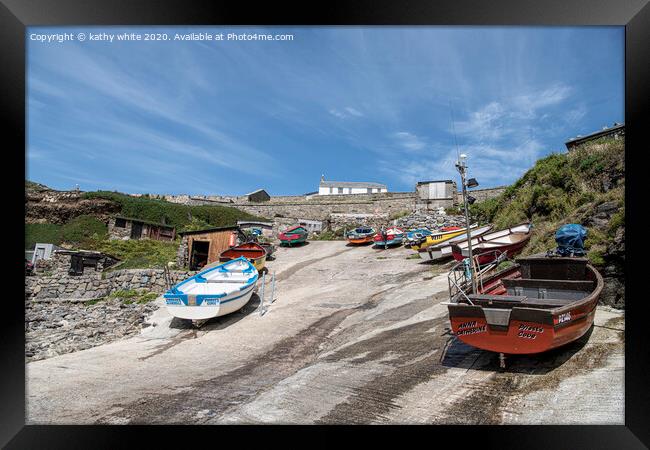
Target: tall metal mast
{"x":462,"y":168}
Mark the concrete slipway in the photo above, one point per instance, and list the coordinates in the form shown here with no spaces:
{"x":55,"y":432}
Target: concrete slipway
{"x":356,"y":335}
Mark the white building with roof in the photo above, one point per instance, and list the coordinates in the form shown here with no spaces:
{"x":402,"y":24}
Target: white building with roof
{"x":349,"y":187}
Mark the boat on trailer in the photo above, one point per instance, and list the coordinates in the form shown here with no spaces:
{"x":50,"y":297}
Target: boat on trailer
{"x":539,"y":303}
{"x":439,"y":237}
{"x":213,"y":292}
{"x":293,"y":235}
{"x":361,"y":235}
{"x":444,"y":250}
{"x":510,"y":240}
{"x":389,"y":237}
{"x":252,"y":251}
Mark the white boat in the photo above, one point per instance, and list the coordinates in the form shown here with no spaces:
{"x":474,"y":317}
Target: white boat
{"x":213,"y":292}
{"x":443,"y":250}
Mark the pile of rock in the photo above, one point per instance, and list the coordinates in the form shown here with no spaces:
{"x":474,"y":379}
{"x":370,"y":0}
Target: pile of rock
{"x":430,"y":220}
{"x":56,"y":327}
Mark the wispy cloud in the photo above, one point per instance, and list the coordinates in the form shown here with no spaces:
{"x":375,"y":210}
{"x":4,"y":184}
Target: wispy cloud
{"x":408,"y":141}
{"x":345,"y":113}
{"x":232,"y":118}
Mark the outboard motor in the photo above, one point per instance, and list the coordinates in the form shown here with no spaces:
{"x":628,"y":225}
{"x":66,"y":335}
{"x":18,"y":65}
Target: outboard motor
{"x":570,"y":240}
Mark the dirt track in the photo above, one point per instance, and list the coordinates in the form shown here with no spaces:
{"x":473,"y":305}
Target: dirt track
{"x":356,"y":335}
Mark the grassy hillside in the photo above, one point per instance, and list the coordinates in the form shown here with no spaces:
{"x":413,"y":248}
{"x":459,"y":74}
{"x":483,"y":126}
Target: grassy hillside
{"x":82,"y":231}
{"x":90,"y":232}
{"x":585,"y":186}
{"x":183,"y":217}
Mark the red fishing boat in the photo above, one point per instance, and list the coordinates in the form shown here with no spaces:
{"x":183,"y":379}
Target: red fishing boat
{"x":510,"y":240}
{"x":540,"y":303}
{"x":293,"y":235}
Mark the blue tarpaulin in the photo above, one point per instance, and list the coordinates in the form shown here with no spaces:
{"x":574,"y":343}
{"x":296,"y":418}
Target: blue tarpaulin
{"x":570,"y":240}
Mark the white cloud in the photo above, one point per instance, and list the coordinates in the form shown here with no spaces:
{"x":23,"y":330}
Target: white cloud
{"x":409,"y":141}
{"x":485,"y":123}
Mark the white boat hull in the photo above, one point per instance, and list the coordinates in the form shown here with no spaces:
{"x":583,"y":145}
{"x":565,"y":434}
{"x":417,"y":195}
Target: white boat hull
{"x":213,"y":292}
{"x":209,"y":311}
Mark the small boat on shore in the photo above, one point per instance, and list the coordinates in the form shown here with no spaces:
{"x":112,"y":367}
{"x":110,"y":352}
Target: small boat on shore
{"x":293,"y":235}
{"x":270,"y":248}
{"x":252,"y":251}
{"x":413,"y":235}
{"x":540,"y":303}
{"x":361,"y":235}
{"x":511,"y":240}
{"x":389,"y":237}
{"x":438,"y":237}
{"x":213,"y":292}
{"x":444,"y":250}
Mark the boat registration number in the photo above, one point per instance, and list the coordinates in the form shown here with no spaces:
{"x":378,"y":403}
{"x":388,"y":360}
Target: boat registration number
{"x":564,"y":317}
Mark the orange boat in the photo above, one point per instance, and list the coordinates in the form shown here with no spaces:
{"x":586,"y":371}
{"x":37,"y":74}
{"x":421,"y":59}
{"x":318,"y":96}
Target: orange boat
{"x":540,"y":303}
{"x":361,"y":235}
{"x":252,"y":251}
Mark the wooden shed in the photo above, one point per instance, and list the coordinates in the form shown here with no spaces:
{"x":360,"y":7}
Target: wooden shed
{"x":129,"y":228}
{"x":202,"y":247}
{"x":259,"y":195}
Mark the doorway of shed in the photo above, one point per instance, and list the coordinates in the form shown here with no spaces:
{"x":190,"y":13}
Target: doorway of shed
{"x":199,"y":254}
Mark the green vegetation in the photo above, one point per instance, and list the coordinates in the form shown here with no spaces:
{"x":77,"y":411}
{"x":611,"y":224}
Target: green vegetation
{"x":94,"y":301}
{"x":413,"y":256}
{"x":35,"y":186}
{"x":564,"y":188}
{"x":399,"y":214}
{"x":333,"y":235}
{"x":180,"y":216}
{"x":139,"y":254}
{"x":134,"y":296}
{"x":83,"y":231}
{"x":42,"y":232}
{"x":454,"y":211}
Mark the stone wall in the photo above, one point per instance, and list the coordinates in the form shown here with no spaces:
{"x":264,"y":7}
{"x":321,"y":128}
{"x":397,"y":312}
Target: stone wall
{"x":350,"y":221}
{"x":482,"y":194}
{"x":92,"y":284}
{"x":321,"y":208}
{"x":122,"y":233}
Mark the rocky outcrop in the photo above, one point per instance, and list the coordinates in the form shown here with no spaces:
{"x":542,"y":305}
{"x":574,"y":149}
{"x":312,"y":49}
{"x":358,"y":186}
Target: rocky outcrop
{"x":58,"y":207}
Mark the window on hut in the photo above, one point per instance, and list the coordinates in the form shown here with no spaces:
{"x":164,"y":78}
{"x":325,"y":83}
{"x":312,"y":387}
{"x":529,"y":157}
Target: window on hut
{"x":120,"y":223}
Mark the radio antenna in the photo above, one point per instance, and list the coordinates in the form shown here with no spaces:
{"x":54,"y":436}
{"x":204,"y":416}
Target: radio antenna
{"x":453,"y":127}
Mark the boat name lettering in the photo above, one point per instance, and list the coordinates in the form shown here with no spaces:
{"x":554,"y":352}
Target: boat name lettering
{"x":467,"y":324}
{"x":529,"y":328}
{"x":564,"y":317}
{"x":475,"y":330}
{"x":527,"y":335}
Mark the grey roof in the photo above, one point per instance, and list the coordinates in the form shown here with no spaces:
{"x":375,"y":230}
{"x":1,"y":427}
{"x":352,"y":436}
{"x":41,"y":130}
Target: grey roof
{"x":259,"y":190}
{"x":435,"y":181}
{"x":209,"y":230}
{"x":596,"y":134}
{"x":352,"y":184}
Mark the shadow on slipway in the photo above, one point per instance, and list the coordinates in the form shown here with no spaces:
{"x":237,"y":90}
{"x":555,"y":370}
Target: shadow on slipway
{"x":362,"y":244}
{"x":219,"y":323}
{"x":301,"y":244}
{"x":460,"y":355}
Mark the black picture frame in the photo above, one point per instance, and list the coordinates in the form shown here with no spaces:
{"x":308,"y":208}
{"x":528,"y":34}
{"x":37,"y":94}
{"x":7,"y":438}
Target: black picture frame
{"x":15,"y":15}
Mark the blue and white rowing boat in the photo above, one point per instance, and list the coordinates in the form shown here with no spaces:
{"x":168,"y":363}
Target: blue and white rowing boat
{"x":214,"y":291}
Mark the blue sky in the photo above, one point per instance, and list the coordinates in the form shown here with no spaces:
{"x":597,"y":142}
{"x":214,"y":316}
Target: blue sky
{"x":352,"y":103}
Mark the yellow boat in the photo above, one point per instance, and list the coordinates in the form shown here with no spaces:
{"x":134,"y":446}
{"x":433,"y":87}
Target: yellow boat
{"x":437,"y":238}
